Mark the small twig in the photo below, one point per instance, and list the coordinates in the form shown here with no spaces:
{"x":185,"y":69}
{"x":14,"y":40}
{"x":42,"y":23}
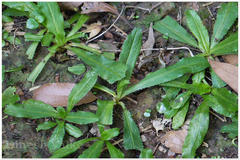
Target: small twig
{"x":132,"y":100}
{"x":146,"y":129}
{"x":115,"y":143}
{"x":223,"y":120}
{"x":210,"y":12}
{"x":155,"y":6}
{"x":207,"y":4}
{"x":108,"y":27}
{"x":120,"y":30}
{"x":14,"y":37}
{"x":155,"y":149}
{"x":190,"y":52}
{"x":146,"y":9}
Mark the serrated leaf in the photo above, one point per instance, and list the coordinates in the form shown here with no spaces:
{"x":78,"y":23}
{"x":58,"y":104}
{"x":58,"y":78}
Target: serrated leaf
{"x":54,"y":20}
{"x":9,"y":96}
{"x":169,"y":27}
{"x":70,"y":148}
{"x":105,"y":111}
{"x":46,"y":125}
{"x":81,"y":89}
{"x":146,"y":153}
{"x":181,"y":100}
{"x":227,"y":72}
{"x":179,"y":117}
{"x":131,"y":135}
{"x":226,"y":16}
{"x":200,"y":32}
{"x":56,"y":138}
{"x":197,"y":130}
{"x":109,"y":134}
{"x":73,"y":131}
{"x":47,"y":39}
{"x":31,"y":109}
{"x":186,"y":65}
{"x":113,"y":151}
{"x":81,"y":20}
{"x":77,"y":69}
{"x":107,"y":69}
{"x":231,"y":129}
{"x":130,"y":50}
{"x":216,"y":81}
{"x":81,"y":117}
{"x":227,"y":46}
{"x":93,"y":151}
{"x":32,"y":24}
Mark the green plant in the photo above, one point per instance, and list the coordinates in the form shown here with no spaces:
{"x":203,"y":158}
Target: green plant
{"x":219,"y":99}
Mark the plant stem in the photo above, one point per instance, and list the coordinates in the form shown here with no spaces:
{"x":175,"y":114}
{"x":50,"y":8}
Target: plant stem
{"x":105,"y":89}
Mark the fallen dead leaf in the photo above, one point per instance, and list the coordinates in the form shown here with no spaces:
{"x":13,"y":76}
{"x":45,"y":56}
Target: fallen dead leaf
{"x":147,"y":45}
{"x":231,"y":58}
{"x":93,"y":29}
{"x":174,"y":140}
{"x":92,"y":7}
{"x":73,"y":6}
{"x":56,"y":94}
{"x":227,"y":72}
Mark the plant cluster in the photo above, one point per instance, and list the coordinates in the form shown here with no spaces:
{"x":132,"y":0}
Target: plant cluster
{"x":55,"y":35}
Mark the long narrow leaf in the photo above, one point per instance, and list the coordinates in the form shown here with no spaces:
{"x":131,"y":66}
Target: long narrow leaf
{"x":197,"y":130}
{"x":81,"y":117}
{"x":81,"y":20}
{"x":169,"y":27}
{"x":93,"y":151}
{"x":113,"y":151}
{"x":186,"y":65}
{"x":130,"y":50}
{"x":105,"y":111}
{"x":226,"y":16}
{"x":198,"y":29}
{"x":81,"y":89}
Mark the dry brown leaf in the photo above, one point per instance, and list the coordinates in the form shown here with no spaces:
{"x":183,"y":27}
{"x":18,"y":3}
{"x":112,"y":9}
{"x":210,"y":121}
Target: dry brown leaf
{"x":174,"y":140}
{"x":92,"y":7}
{"x":73,"y":6}
{"x":231,"y":58}
{"x":93,"y":29}
{"x":56,"y":94}
{"x":227,"y":72}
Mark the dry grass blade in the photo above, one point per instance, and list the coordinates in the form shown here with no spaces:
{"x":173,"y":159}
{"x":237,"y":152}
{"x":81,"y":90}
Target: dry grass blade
{"x":227,"y":72}
{"x":93,"y":7}
{"x":231,"y":58}
{"x":56,"y":94}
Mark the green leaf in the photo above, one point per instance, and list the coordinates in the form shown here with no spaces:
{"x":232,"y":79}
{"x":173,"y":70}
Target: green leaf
{"x":14,"y":12}
{"x":105,"y":111}
{"x":76,"y":35}
{"x":30,"y":7}
{"x":121,"y":86}
{"x":56,"y":138}
{"x":81,"y":89}
{"x":165,"y":108}
{"x":3,"y":43}
{"x":179,"y":117}
{"x":197,"y":130}
{"x":226,"y":98}
{"x":169,"y":27}
{"x":131,"y":135}
{"x":32,"y":37}
{"x":37,"y":70}
{"x":227,"y":46}
{"x":32,"y":24}
{"x":81,"y":20}
{"x":226,"y":16}
{"x":32,"y":48}
{"x":186,"y":65}
{"x":113,"y":151}
{"x":31,"y":109}
{"x":146,"y":153}
{"x":73,"y":131}
{"x":6,"y":19}
{"x":181,"y":100}
{"x":216,"y":81}
{"x":46,"y":125}
{"x":105,"y":89}
{"x":13,"y":40}
{"x":81,"y":117}
{"x":130,"y":50}
{"x":61,"y":112}
{"x":231,"y":129}
{"x":109,"y":134}
{"x":93,"y":151}
{"x":198,"y":77}
{"x":54,"y":20}
{"x":70,"y":148}
{"x":107,"y":69}
{"x":3,"y":75}
{"x":74,"y":18}
{"x":196,"y":26}
{"x":77,"y":69}
{"x":47,"y":39}
{"x":9,"y":96}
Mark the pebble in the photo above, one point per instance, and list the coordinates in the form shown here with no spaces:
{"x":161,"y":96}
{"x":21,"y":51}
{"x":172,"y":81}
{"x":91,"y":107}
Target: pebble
{"x":144,"y":139}
{"x":162,"y":149}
